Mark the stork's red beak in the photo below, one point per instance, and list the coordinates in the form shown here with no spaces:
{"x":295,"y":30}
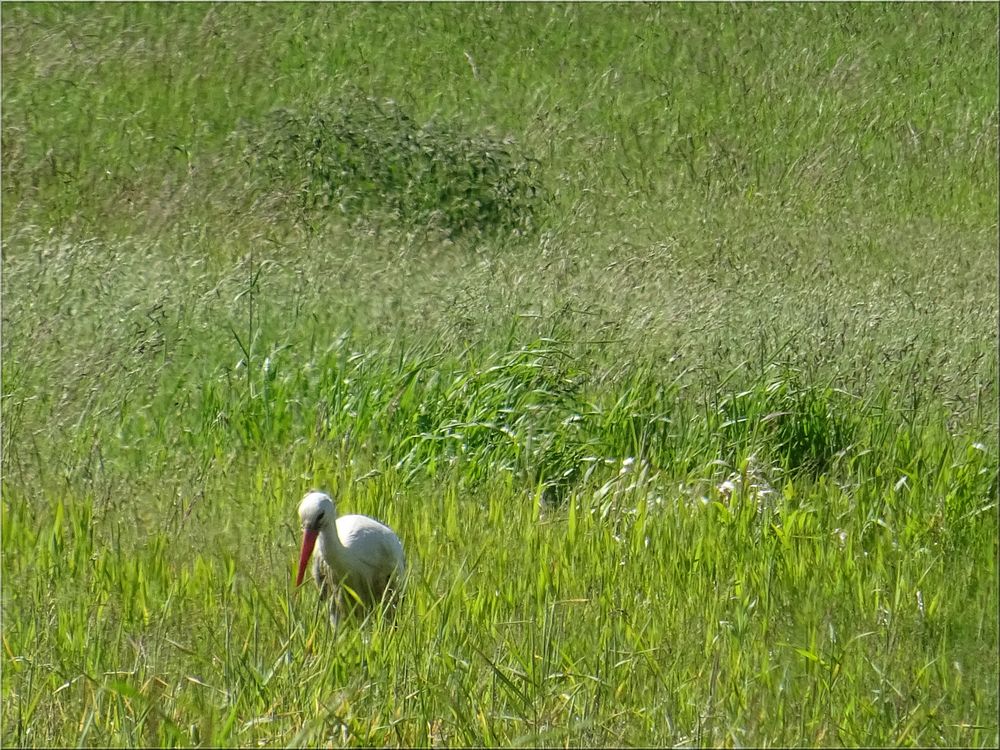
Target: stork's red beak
{"x":308,"y":542}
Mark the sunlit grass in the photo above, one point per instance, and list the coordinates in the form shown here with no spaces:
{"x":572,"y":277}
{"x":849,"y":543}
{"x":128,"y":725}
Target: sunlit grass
{"x":703,"y":453}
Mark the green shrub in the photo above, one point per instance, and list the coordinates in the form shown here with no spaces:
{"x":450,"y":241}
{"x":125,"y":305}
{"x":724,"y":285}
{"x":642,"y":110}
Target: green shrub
{"x":361,"y":155}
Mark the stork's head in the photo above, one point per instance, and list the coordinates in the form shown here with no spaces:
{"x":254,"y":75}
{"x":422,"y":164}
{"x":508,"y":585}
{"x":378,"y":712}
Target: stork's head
{"x":316,"y":512}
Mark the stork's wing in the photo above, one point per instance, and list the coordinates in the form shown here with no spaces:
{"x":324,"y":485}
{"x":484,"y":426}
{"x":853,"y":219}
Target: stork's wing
{"x":379,"y":554}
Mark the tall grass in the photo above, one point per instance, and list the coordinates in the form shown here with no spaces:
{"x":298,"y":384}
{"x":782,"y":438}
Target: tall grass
{"x":663,"y":335}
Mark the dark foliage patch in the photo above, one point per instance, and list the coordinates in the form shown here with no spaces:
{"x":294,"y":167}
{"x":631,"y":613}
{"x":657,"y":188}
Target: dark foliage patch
{"x":361,"y":155}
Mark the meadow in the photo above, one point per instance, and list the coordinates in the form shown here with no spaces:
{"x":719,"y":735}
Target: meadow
{"x":664,"y":335}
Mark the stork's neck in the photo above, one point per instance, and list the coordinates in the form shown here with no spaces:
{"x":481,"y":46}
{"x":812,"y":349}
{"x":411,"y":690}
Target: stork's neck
{"x":330,"y":546}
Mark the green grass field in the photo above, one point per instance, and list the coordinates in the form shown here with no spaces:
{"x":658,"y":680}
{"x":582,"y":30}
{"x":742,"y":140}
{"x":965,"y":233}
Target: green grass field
{"x":665,"y":336}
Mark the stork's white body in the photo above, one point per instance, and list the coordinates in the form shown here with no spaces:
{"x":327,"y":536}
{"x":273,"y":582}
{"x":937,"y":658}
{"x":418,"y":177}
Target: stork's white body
{"x":355,"y":551}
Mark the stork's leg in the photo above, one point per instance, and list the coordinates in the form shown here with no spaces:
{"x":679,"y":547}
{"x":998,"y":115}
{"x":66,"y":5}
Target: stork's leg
{"x":329,"y":593}
{"x":336,"y":612}
{"x":319,"y":605}
{"x":390,"y":599}
{"x":352,"y":601}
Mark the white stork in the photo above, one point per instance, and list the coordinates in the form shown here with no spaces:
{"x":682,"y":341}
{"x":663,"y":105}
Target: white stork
{"x":355,"y":552}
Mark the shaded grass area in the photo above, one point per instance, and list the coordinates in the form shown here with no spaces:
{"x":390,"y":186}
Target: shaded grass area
{"x":727,"y":104}
{"x":359,"y":155}
{"x":683,"y":405}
